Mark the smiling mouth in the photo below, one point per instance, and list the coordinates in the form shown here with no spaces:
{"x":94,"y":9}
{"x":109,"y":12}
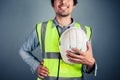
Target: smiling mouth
{"x":63,"y":7}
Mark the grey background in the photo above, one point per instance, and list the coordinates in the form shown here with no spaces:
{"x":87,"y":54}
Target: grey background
{"x":18,"y":18}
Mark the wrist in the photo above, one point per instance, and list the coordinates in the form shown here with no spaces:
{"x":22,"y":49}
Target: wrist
{"x":91,"y":63}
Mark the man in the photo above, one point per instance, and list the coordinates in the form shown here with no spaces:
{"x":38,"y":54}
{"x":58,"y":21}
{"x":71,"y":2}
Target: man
{"x":45,"y":35}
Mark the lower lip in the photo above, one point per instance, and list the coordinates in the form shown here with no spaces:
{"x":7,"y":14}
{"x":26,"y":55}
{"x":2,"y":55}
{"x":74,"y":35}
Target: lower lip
{"x":63,"y":8}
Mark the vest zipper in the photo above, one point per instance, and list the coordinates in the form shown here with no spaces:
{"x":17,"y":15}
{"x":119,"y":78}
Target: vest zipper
{"x":58,"y":68}
{"x":59,"y":57}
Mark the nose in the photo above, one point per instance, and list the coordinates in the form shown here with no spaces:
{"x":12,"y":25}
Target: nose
{"x":62,"y":1}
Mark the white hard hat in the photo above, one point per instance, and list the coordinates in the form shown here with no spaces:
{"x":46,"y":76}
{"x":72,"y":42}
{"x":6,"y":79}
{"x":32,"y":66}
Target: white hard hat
{"x":72,"y":38}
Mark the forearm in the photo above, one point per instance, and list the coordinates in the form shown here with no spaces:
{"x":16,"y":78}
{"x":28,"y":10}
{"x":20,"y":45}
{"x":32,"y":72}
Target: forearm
{"x":28,"y":58}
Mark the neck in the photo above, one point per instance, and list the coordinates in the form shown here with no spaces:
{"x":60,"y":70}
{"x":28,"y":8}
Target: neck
{"x":64,"y":21}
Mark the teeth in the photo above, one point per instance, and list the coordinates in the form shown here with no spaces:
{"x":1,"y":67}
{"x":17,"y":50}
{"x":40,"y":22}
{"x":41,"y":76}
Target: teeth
{"x":63,"y":7}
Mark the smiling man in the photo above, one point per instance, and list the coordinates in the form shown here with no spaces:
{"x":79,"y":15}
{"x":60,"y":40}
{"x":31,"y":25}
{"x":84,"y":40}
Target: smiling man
{"x":46,"y":35}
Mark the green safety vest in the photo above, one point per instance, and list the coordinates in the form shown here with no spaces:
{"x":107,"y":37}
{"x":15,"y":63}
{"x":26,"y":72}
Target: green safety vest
{"x":49,"y":42}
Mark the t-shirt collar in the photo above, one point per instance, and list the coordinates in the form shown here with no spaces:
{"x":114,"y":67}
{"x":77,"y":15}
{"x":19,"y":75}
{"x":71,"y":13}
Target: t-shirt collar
{"x":55,"y":23}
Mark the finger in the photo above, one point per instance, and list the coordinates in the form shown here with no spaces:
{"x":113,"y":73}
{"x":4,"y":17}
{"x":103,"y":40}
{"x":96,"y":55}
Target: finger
{"x":43,"y":73}
{"x":41,"y":67}
{"x":78,"y":51}
{"x":43,"y":70}
{"x":71,"y":54}
{"x":40,"y":75}
{"x":74,"y":60}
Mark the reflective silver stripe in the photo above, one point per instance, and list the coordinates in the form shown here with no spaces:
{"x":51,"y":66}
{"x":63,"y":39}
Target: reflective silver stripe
{"x":55,"y":78}
{"x":43,"y":31}
{"x":52,"y":55}
{"x":83,"y":28}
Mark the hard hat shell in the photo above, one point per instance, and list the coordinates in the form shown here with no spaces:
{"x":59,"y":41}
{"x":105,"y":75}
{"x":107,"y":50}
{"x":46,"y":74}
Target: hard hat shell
{"x":72,"y":38}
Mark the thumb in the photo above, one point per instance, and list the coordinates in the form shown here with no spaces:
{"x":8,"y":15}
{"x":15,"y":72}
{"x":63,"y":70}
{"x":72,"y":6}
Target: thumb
{"x":88,"y":46}
{"x":42,"y":62}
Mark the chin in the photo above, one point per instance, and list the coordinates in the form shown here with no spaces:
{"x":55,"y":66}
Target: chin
{"x":64,"y":15}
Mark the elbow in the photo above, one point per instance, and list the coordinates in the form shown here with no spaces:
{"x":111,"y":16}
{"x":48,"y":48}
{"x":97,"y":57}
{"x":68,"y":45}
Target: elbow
{"x":22,"y":53}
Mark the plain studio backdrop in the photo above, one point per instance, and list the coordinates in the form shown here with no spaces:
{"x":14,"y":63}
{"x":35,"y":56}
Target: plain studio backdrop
{"x":19,"y":17}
